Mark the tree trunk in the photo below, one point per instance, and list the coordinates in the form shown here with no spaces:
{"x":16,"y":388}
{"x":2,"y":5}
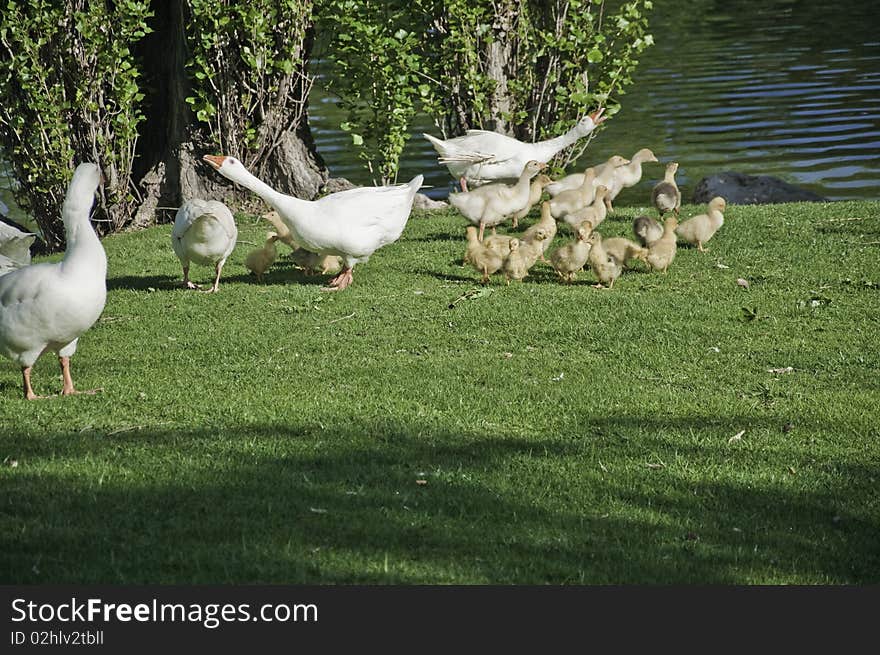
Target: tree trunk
{"x":499,"y":59}
{"x":172,"y":142}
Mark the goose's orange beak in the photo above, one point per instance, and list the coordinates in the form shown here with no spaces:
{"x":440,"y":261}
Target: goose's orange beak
{"x":596,"y":116}
{"x":215,"y":160}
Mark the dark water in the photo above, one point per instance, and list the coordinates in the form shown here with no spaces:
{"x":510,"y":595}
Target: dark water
{"x":781,"y":87}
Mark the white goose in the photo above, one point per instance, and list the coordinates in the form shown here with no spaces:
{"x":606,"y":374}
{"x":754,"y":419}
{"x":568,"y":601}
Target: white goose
{"x":481,"y":156}
{"x":48,"y":306}
{"x":352,"y":224}
{"x":15,"y":248}
{"x":205,"y":233}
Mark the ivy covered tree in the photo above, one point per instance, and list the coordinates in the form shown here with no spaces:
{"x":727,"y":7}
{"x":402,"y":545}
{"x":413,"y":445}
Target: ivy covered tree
{"x":70,"y":89}
{"x":145,"y":88}
{"x":525,"y":68}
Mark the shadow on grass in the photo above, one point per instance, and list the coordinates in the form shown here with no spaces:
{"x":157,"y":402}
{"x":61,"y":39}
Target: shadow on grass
{"x":440,"y":236}
{"x":386,"y":503}
{"x":144,"y":282}
{"x":280,"y":276}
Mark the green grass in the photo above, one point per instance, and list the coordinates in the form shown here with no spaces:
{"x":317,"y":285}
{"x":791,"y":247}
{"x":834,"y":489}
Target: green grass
{"x":276,"y":434}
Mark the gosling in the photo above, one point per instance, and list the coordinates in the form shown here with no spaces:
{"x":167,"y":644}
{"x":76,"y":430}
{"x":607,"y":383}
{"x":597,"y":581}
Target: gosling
{"x":662,"y":251}
{"x":666,"y":196}
{"x":567,"y":260}
{"x":606,"y":267}
{"x":699,"y":229}
{"x":647,"y":230}
{"x":312,"y":263}
{"x":623,"y":250}
{"x":515,"y":265}
{"x":548,"y":225}
{"x":259,"y":260}
{"x":483,"y":259}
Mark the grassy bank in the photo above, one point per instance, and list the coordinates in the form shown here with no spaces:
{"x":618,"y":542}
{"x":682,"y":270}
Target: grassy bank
{"x":536,"y":433}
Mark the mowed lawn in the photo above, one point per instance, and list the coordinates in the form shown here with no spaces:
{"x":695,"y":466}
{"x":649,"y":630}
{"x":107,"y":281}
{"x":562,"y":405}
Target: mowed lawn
{"x":679,"y":428}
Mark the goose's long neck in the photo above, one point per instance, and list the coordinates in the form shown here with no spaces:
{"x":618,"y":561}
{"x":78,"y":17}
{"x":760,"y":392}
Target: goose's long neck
{"x":84,"y":248}
{"x":535,"y":191}
{"x":556,"y":144}
{"x":523,"y":185}
{"x":587,"y":185}
{"x":279,"y":201}
{"x":670,"y":177}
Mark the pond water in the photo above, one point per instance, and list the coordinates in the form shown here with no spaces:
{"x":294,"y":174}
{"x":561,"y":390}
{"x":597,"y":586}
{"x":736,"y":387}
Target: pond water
{"x":789,"y":88}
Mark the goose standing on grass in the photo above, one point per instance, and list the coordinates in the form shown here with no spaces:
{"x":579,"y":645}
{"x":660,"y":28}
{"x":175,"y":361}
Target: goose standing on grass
{"x":352,"y":224}
{"x":572,"y":200}
{"x":49,"y":306}
{"x":666,"y":196}
{"x":481,"y":156}
{"x":15,"y":248}
{"x":490,"y":205}
{"x":595,"y":212}
{"x":699,"y":229}
{"x":205,"y":233}
{"x":628,"y":175}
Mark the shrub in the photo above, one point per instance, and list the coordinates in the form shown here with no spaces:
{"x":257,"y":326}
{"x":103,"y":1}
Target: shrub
{"x":70,"y":89}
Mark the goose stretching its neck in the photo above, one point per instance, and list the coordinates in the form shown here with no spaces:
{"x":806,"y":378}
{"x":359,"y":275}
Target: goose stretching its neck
{"x":48,"y":306}
{"x":352,"y":224}
{"x":480,"y":156}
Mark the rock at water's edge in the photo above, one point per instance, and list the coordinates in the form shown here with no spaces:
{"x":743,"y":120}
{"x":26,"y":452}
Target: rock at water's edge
{"x":741,"y":189}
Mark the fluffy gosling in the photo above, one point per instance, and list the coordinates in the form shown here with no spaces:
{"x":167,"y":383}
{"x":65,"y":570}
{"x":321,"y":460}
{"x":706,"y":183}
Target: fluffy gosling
{"x":485,"y":260}
{"x":699,"y":229}
{"x":568,"y":259}
{"x":662,"y":251}
{"x":607,"y":268}
{"x":259,"y":260}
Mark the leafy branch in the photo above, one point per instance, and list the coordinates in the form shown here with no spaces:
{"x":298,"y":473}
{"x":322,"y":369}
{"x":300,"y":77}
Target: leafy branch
{"x":71,"y":94}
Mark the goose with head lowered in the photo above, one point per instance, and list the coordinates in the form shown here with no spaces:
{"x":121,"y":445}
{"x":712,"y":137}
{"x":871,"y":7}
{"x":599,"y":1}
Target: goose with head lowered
{"x":205,"y":233}
{"x":48,"y":306}
{"x":480,"y":156}
{"x":352,"y":224}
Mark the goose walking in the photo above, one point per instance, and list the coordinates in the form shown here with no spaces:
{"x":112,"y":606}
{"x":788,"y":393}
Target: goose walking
{"x":352,"y":224}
